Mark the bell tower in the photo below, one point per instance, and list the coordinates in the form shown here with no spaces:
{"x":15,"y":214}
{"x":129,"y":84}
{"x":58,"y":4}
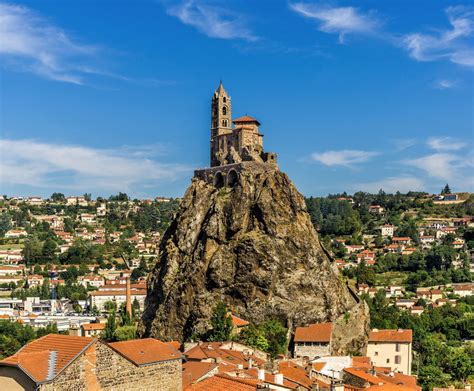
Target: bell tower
{"x":221,"y":112}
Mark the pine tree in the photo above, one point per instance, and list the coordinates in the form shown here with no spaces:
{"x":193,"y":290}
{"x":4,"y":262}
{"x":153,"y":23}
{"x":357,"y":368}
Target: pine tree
{"x":109,"y":332}
{"x":446,"y":190}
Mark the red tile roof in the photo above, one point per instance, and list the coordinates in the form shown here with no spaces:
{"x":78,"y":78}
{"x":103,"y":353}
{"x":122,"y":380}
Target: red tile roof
{"x":223,"y":382}
{"x":245,"y":118}
{"x":145,"y":351}
{"x":391,"y":336}
{"x":361,"y":374}
{"x":295,"y":373}
{"x":195,"y":370}
{"x":93,"y":326}
{"x":318,"y":332}
{"x":35,"y":357}
{"x":213,"y":350}
{"x":239,"y":322}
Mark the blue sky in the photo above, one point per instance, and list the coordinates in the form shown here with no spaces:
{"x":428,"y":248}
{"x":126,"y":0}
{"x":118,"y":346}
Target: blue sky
{"x":107,"y":96}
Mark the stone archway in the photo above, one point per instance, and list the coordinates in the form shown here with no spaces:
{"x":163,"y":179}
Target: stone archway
{"x":219,"y":180}
{"x":232,"y":178}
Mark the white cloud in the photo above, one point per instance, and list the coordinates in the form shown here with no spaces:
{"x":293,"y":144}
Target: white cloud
{"x":32,"y":163}
{"x":445,"y":166}
{"x":338,"y":20}
{"x":213,"y":21}
{"x":346,"y":158}
{"x":454,"y":44}
{"x":444,"y":84}
{"x":445,"y":144}
{"x":402,"y":143}
{"x":30,"y":43}
{"x":402,"y":184}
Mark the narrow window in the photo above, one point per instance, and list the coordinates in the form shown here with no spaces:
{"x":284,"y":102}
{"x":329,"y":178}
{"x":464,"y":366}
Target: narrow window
{"x":397,"y":347}
{"x":398,"y":359}
{"x":224,"y":110}
{"x":224,"y":99}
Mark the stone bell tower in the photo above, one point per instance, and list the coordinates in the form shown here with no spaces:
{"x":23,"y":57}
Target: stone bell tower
{"x":221,"y":120}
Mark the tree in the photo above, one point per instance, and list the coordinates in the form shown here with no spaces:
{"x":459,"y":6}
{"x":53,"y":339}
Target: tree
{"x":48,"y":251}
{"x":125,"y":333}
{"x":221,"y":324}
{"x":57,"y":197}
{"x":254,"y":337}
{"x":446,"y":189}
{"x":275,"y":334}
{"x":32,"y":250}
{"x":111,"y":326}
{"x":5,"y":223}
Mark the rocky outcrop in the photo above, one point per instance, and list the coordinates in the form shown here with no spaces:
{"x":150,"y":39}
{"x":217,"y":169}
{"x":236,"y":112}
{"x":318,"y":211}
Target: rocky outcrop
{"x":251,"y":246}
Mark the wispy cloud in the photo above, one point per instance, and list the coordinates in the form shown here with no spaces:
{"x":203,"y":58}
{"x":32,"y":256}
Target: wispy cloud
{"x":338,"y":20}
{"x":213,"y":21}
{"x":445,"y":144}
{"x":444,"y":84}
{"x":347,"y":158}
{"x":445,"y":166}
{"x":404,"y":143}
{"x":402,"y":184}
{"x":454,"y":44}
{"x":38,"y":164}
{"x":30,"y":43}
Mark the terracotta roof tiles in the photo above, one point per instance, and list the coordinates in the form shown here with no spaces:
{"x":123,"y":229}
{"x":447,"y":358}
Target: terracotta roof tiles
{"x":391,"y":336}
{"x":223,"y":382}
{"x":35,"y":357}
{"x":318,"y":332}
{"x":145,"y":351}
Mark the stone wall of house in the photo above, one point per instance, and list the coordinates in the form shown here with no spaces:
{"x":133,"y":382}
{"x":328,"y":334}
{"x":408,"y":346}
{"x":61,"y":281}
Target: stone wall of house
{"x":101,"y":368}
{"x":311,"y":351}
{"x":116,"y":373}
{"x":71,"y":379}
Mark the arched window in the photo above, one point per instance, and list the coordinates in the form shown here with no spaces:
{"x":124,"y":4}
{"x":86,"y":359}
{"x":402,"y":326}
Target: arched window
{"x":219,"y":180}
{"x":224,"y":99}
{"x":224,"y":110}
{"x":224,"y":122}
{"x":232,"y":178}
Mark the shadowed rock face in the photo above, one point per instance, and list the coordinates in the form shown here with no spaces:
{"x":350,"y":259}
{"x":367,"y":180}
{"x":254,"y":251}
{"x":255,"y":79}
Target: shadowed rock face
{"x":251,"y":246}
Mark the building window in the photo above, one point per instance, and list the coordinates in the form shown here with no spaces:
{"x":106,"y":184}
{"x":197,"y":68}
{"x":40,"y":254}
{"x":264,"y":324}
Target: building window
{"x":388,"y":361}
{"x":398,"y":359}
{"x":224,"y":110}
{"x":224,"y":122}
{"x":376,"y":354}
{"x":397,"y":347}
{"x":224,"y":99}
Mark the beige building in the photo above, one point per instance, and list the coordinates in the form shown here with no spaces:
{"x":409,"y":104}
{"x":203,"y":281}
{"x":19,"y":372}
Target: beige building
{"x":313,"y":341}
{"x":233,"y":144}
{"x":391,"y":348}
{"x":387,"y":230}
{"x":99,"y":298}
{"x":61,"y":362}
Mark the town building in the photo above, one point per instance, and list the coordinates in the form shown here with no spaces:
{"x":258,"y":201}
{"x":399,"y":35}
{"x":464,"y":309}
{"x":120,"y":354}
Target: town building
{"x":98,"y":298}
{"x":62,"y":362}
{"x":387,"y":230}
{"x":313,"y":340}
{"x":391,"y":348}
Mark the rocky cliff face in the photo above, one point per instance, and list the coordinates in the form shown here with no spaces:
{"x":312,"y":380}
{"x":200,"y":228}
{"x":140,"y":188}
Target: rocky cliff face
{"x":253,"y":247}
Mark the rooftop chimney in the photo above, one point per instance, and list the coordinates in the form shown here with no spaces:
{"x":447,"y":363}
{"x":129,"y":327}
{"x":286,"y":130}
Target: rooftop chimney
{"x":128,"y":299}
{"x":279,"y":378}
